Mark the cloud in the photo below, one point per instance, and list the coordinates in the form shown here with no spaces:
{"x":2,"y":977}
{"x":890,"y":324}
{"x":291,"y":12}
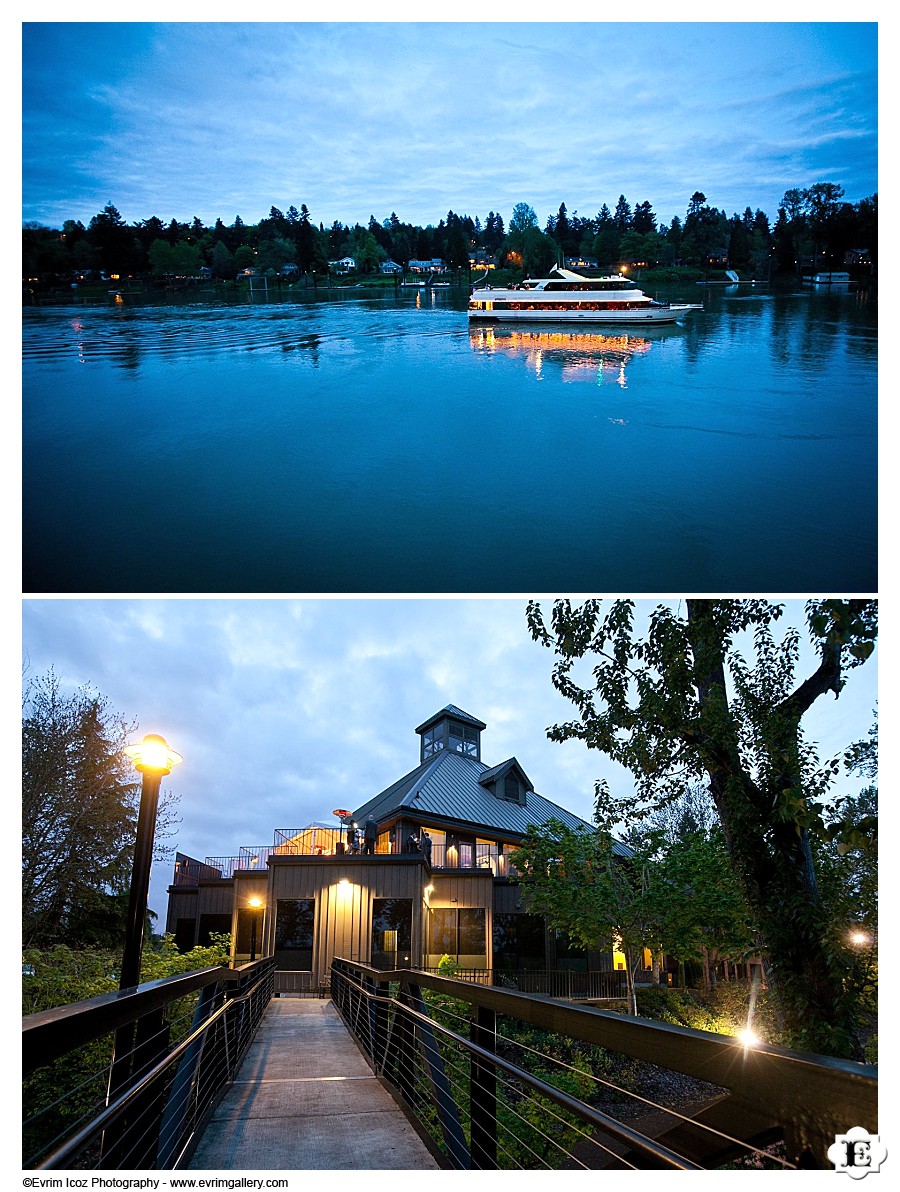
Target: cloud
{"x":217,"y":119}
{"x":285,"y":709}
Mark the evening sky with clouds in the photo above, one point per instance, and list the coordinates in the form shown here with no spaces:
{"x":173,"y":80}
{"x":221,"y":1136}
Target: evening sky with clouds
{"x":216,"y":120}
{"x":287,"y":709}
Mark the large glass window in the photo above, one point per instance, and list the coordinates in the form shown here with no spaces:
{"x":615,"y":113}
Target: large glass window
{"x":184,"y":934}
{"x":519,"y":942}
{"x":294,"y":926}
{"x":459,"y":934}
{"x":443,"y":935}
{"x":569,"y":955}
{"x":391,"y":932}
{"x":212,"y":925}
{"x":472,"y":925}
{"x":460,"y":853}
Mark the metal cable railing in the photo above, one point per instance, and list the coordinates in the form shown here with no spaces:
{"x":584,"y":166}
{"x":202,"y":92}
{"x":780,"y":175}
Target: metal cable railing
{"x":126,"y":1081}
{"x":506,"y":1080}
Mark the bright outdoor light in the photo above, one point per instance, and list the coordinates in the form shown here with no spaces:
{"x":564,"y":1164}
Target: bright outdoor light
{"x":153,"y":755}
{"x":153,"y":758}
{"x":255,"y":904}
{"x":749,"y":1038}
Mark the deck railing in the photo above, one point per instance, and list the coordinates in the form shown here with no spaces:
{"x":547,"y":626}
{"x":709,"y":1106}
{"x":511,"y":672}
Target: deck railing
{"x":127,"y":1080}
{"x":596,"y":985}
{"x":496,"y":1079}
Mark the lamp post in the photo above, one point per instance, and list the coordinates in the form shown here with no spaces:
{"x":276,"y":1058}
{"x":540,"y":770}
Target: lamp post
{"x":138,"y":1044}
{"x":255,"y":904}
{"x":153,"y":759}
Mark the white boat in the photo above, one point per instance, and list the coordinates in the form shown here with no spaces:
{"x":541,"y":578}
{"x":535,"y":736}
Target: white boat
{"x":567,"y":297}
{"x":829,"y":279}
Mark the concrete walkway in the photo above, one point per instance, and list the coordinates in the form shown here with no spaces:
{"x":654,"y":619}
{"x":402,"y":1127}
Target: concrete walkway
{"x":305,"y":1099}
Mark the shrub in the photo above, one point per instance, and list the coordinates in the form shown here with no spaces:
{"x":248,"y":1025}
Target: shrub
{"x":724,"y":1011}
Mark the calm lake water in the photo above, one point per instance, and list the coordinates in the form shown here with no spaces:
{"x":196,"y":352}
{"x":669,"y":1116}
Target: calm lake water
{"x":379,"y":444}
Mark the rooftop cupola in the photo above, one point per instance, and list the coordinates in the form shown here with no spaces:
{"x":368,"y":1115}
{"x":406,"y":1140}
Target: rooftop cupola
{"x":451,"y":729}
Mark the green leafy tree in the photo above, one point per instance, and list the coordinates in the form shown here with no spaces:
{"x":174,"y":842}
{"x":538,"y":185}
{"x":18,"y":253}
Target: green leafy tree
{"x":275,"y":253}
{"x":365,"y":250}
{"x":244,"y":257}
{"x":539,"y":252}
{"x":221,"y":261}
{"x":706,"y":230}
{"x":117,"y":247}
{"x":578,"y":882}
{"x":702,"y":913}
{"x":792,"y":228}
{"x":622,"y":215}
{"x":523,"y":217}
{"x":821,"y":204}
{"x":644,"y":219}
{"x":682,"y":704}
{"x":847,"y":864}
{"x":79,"y":806}
{"x":605,"y":246}
{"x":637,"y":246}
{"x":181,"y":259}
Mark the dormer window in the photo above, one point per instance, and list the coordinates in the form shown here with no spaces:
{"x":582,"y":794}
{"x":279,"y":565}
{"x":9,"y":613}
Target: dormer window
{"x":463,"y":739}
{"x":507,"y":781}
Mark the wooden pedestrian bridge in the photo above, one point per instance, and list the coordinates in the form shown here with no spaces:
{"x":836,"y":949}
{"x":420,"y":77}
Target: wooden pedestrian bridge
{"x":404,"y":1070}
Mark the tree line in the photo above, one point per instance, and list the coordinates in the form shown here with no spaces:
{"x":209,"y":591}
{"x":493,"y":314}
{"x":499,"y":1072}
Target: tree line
{"x":813,"y":227}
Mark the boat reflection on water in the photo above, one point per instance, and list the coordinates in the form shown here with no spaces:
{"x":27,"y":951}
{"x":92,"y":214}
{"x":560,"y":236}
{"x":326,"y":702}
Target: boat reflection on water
{"x":575,"y":355}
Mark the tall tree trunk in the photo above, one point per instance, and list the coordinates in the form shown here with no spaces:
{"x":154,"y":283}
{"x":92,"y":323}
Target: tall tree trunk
{"x":631,"y":963}
{"x":773,"y":859}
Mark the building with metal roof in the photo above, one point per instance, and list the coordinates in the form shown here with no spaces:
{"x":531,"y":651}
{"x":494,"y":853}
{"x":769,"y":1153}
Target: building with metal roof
{"x":419,"y":872}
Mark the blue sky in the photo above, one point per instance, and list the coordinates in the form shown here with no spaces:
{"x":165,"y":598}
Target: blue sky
{"x":223,"y":119}
{"x":287,"y":709}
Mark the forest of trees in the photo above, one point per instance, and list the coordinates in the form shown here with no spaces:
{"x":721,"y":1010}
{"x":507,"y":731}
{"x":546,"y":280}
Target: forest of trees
{"x":812,"y":227}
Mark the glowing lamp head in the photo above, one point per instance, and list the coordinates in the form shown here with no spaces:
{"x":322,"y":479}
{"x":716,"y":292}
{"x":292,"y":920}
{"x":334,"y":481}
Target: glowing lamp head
{"x":153,"y":755}
{"x":256,"y":903}
{"x":749,"y":1038}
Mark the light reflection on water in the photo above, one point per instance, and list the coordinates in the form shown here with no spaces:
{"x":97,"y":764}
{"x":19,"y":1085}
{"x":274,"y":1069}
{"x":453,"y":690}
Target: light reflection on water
{"x":378,"y":444}
{"x":593,"y":356}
